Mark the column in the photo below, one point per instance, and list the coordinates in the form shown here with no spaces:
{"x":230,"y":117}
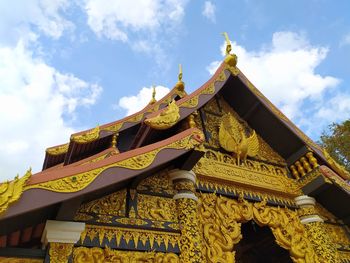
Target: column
{"x":315,"y":228}
{"x":187,"y":207}
{"x":60,"y":236}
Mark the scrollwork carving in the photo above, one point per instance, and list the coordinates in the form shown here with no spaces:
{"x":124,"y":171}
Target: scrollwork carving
{"x":107,"y":255}
{"x":221,"y":217}
{"x":156,"y":208}
{"x":60,"y":252}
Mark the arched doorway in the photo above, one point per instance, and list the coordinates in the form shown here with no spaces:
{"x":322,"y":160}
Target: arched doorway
{"x":258,"y":245}
{"x":221,"y":219}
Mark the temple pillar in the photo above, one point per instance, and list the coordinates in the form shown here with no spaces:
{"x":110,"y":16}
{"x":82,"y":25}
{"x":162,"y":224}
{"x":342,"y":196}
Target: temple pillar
{"x":315,"y":228}
{"x":60,"y":237}
{"x":187,"y":207}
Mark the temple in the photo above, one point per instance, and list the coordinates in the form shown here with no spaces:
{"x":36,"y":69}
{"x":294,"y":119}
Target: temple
{"x":218,"y":175}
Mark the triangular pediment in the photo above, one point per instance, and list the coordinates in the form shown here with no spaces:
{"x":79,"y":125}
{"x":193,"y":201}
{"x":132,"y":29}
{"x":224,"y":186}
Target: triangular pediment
{"x":210,"y":119}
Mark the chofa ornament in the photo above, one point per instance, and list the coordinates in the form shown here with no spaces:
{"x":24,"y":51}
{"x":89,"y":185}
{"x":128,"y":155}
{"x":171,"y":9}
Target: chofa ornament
{"x":166,"y":118}
{"x":11,"y":191}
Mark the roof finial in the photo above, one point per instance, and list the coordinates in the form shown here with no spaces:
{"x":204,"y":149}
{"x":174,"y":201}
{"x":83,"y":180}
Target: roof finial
{"x":153,"y":100}
{"x":180,"y":72}
{"x":230,"y":59}
{"x":228,"y":43}
{"x":114,"y":143}
{"x":180,"y":85}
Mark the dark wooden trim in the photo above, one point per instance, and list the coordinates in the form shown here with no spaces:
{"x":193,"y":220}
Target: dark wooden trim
{"x":22,"y":252}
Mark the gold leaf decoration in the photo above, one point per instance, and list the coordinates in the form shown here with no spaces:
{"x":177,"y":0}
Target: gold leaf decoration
{"x":10,"y":192}
{"x":221,"y":219}
{"x":58,"y":150}
{"x":191,"y":103}
{"x":141,"y":236}
{"x":79,"y":181}
{"x":166,"y":118}
{"x":87,"y":137}
{"x":232,"y":138}
{"x":113,"y":205}
{"x":156,"y":208}
{"x":83,"y":255}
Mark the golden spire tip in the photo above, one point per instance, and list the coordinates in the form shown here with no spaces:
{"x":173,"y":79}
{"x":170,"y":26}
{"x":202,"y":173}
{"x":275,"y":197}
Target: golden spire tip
{"x":180,"y":72}
{"x":228,"y":43}
{"x":153,"y":100}
{"x":230,"y":59}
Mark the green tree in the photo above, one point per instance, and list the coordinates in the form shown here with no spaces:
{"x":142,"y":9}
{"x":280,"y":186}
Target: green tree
{"x":336,"y":140}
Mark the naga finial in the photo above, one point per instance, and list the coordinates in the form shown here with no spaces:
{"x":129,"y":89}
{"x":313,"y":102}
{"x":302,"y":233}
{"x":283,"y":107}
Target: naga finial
{"x":153,"y":100}
{"x":228,"y":43}
{"x":180,"y":72}
{"x":230,"y":59}
{"x":180,"y":85}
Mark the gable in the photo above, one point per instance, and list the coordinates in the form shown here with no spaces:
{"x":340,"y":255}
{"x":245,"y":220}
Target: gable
{"x":218,"y":169}
{"x":212,"y":114}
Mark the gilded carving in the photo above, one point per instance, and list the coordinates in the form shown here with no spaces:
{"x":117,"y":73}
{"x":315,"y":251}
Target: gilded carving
{"x":213,"y":120}
{"x":220,"y":218}
{"x":344,"y":256}
{"x":58,"y":150}
{"x":78,"y":182}
{"x":190,"y":241}
{"x":99,"y":255}
{"x":166,"y":119}
{"x":112,"y":205}
{"x":138,"y":236}
{"x":233,"y":138}
{"x":156,"y":208}
{"x":222,"y":167}
{"x":82,"y":217}
{"x":322,"y":243}
{"x":87,"y":137}
{"x":60,"y":252}
{"x":212,"y":185}
{"x":337,"y":234}
{"x":11,"y":192}
{"x":191,"y":103}
{"x":158,"y":183}
{"x":114,"y":127}
{"x":131,"y":221}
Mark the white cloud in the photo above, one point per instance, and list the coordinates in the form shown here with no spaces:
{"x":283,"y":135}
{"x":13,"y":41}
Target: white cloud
{"x":137,"y":102}
{"x":148,"y":26}
{"x":20,"y":19}
{"x":113,"y":19}
{"x":285,"y":72}
{"x":213,"y":66}
{"x":209,"y":11}
{"x":37,"y":103}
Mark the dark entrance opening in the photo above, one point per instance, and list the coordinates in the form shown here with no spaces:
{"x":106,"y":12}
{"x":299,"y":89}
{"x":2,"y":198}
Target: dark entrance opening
{"x":258,"y":245}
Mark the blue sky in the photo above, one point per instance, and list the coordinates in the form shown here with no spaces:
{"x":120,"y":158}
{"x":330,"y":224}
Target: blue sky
{"x":70,"y":65}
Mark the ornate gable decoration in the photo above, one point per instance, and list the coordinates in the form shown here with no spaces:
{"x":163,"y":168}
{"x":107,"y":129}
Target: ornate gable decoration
{"x":233,"y":138}
{"x":226,"y":131}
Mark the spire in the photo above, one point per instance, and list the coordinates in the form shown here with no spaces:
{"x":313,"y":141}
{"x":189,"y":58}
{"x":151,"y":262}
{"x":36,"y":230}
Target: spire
{"x":114,"y":144}
{"x":180,"y":85}
{"x":180,"y":72}
{"x":153,"y":100}
{"x":228,"y":43}
{"x":230,"y":59}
